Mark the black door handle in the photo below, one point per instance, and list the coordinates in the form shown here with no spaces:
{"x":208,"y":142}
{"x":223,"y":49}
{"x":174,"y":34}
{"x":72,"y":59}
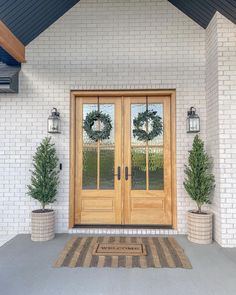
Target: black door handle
{"x":126,"y":173}
{"x":118,"y":173}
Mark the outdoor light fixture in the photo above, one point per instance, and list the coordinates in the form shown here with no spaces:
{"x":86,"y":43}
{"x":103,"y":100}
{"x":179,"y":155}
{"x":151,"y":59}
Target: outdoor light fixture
{"x":54,"y":122}
{"x":193,"y":121}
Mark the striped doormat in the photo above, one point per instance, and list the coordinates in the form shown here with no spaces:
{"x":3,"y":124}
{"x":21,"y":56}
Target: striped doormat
{"x":160,"y":252}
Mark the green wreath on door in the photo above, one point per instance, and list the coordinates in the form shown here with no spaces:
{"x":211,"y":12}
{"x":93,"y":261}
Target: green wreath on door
{"x":89,"y":122}
{"x":141,"y":119}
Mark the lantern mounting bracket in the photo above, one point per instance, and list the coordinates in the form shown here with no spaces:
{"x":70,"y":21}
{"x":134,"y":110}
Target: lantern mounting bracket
{"x":192,"y":111}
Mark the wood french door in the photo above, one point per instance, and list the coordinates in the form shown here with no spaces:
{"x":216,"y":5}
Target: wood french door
{"x":122,"y":180}
{"x":147,"y":196}
{"x":98,"y":181}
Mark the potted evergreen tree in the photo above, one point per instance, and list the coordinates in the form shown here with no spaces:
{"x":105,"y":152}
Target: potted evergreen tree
{"x":43,"y":187}
{"x":199,"y":183}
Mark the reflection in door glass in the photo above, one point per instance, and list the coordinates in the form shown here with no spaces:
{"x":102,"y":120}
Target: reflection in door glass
{"x":138,"y":164}
{"x":89,"y":168}
{"x":155,"y":167}
{"x":107,"y":168}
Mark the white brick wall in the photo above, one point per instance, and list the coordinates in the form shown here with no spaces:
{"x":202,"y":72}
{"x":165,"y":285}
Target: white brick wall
{"x":98,"y":44}
{"x":212,"y":120}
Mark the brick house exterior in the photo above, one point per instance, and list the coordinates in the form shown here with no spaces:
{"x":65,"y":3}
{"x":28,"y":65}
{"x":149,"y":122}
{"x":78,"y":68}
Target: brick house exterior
{"x":123,"y":45}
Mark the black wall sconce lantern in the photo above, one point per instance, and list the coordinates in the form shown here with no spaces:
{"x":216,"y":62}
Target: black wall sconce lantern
{"x":193,"y":121}
{"x":54,"y":122}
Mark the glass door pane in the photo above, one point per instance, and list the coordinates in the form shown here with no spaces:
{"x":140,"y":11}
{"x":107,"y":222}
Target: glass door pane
{"x":147,"y":157}
{"x":98,"y":157}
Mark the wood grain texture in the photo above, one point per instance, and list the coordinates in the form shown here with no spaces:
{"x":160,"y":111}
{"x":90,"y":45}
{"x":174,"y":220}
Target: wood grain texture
{"x":11,"y":44}
{"x":122,"y":93}
{"x":72,"y":162}
{"x":173,"y":160}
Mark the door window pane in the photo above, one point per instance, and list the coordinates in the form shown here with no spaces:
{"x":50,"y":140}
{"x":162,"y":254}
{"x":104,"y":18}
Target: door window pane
{"x":147,"y":156}
{"x":155,"y":167}
{"x":109,"y":110}
{"x":89,"y":168}
{"x":135,"y":110}
{"x":138,"y":164}
{"x":88,"y":108}
{"x":107,"y":168}
{"x":158,"y":108}
{"x":140,"y":108}
{"x":99,"y":157}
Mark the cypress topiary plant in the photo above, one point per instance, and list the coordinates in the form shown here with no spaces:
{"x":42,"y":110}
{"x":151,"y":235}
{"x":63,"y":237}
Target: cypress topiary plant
{"x":199,"y":182}
{"x":45,"y":178}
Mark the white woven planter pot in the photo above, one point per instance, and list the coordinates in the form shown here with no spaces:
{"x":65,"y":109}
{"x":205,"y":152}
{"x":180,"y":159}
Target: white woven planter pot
{"x":200,"y":227}
{"x":42,"y":226}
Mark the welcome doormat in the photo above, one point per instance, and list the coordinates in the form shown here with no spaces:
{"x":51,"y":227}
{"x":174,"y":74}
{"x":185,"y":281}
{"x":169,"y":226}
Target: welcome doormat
{"x":119,"y":249}
{"x":160,"y":252}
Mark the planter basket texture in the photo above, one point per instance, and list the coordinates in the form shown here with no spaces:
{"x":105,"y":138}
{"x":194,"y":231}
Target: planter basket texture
{"x":42,"y":227}
{"x":200,"y":227}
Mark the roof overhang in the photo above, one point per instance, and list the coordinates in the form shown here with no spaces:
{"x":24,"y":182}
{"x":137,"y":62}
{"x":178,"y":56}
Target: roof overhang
{"x":11,"y":44}
{"x":23,"y":21}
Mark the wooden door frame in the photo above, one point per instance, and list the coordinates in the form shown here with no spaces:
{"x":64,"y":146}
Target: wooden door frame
{"x":121,"y":93}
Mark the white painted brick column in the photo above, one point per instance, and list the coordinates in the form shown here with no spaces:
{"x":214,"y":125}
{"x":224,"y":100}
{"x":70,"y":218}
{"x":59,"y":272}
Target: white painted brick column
{"x":221,"y":123}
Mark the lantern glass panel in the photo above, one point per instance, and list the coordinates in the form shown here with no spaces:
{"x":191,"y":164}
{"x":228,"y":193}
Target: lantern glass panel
{"x":197,"y":124}
{"x":193,"y":124}
{"x":53,"y":125}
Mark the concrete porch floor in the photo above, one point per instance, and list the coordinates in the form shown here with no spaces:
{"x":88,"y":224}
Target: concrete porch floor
{"x":26,"y":268}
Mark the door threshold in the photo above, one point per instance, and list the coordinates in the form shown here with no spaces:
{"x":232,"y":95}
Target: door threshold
{"x":126,"y":226}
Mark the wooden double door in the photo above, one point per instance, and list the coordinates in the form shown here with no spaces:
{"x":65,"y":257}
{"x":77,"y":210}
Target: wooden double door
{"x":122,"y":179}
